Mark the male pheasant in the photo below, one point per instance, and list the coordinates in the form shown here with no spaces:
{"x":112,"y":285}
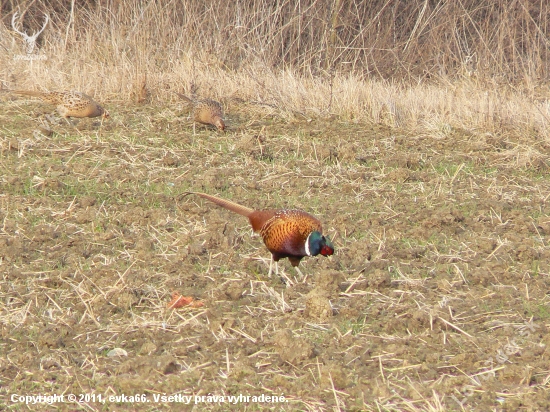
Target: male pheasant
{"x":291,"y":234}
{"x":69,"y":103}
{"x":206,"y":111}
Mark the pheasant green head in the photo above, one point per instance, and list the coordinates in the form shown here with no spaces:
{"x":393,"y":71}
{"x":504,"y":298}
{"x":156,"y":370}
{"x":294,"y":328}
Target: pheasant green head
{"x":316,"y":244}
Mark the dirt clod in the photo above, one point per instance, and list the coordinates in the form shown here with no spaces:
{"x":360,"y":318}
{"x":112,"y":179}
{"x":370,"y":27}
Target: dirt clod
{"x":292,"y":349}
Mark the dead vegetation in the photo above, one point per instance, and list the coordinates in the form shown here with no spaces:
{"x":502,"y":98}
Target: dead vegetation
{"x":413,"y":65}
{"x":434,"y":192}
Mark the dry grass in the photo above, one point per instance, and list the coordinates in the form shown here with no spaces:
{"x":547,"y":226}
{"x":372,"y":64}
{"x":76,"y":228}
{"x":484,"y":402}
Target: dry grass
{"x":487,"y":77}
{"x":425,"y":157}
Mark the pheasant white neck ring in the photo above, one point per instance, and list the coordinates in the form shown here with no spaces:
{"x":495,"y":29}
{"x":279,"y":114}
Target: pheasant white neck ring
{"x":308,"y":253}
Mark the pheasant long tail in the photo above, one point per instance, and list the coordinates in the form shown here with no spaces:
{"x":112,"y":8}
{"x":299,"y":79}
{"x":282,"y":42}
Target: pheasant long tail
{"x":234,"y":207}
{"x":28,"y":93}
{"x":184,"y":97}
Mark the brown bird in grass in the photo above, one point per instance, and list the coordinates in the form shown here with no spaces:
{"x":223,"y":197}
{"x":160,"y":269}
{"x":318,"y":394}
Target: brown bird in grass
{"x":206,"y":111}
{"x":291,"y":234}
{"x":69,"y":103}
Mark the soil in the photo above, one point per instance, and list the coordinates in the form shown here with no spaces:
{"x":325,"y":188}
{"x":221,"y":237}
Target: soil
{"x":437,"y":297}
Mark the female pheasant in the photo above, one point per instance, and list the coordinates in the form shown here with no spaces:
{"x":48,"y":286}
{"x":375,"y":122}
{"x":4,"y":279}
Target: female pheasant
{"x":69,"y":103}
{"x":206,"y":111}
{"x":291,"y":234}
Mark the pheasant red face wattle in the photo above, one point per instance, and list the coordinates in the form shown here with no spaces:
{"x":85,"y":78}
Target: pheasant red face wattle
{"x":327,"y":250}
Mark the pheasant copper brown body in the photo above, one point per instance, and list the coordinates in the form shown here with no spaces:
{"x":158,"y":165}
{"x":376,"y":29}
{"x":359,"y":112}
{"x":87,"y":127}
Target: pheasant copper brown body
{"x":70,"y":103}
{"x":206,"y":111}
{"x":291,"y":234}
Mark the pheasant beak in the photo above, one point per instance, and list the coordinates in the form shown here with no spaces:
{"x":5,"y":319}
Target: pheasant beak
{"x":106,"y":114}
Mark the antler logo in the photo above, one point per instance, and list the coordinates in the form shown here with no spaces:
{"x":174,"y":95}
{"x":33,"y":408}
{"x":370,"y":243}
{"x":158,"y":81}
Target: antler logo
{"x":30,"y":41}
